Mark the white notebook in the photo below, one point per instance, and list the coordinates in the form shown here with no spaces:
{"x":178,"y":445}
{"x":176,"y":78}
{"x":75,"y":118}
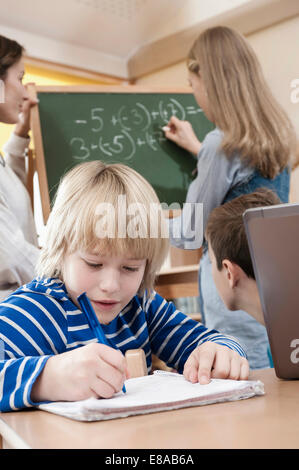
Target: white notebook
{"x":158,"y":392}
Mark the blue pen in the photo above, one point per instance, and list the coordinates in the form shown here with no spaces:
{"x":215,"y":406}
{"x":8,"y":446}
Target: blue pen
{"x":94,"y":322}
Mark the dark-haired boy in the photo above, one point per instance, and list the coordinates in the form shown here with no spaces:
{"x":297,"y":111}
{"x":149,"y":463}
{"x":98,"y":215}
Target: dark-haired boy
{"x":232,"y":268}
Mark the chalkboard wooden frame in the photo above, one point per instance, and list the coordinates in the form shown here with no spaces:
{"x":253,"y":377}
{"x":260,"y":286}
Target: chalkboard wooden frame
{"x":38,"y":151}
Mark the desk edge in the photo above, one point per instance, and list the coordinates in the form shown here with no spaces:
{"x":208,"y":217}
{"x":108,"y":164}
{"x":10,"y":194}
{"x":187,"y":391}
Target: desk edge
{"x":10,"y":437}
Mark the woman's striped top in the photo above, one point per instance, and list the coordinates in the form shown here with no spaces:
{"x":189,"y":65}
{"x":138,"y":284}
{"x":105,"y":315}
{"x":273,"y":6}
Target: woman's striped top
{"x":39,"y":320}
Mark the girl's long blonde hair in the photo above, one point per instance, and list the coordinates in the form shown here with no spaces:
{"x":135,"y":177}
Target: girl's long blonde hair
{"x":241,"y":103}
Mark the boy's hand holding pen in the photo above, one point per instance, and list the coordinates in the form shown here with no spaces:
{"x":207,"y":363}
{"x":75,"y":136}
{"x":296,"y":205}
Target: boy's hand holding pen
{"x":94,"y":370}
{"x":94,"y":322}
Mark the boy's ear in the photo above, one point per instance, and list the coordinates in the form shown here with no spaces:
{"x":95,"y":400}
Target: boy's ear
{"x":233,"y":271}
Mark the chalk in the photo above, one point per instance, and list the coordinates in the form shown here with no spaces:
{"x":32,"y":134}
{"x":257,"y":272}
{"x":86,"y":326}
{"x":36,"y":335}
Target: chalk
{"x":165,"y":128}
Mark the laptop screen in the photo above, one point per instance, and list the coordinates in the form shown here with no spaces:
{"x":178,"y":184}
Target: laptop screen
{"x":273,"y":238}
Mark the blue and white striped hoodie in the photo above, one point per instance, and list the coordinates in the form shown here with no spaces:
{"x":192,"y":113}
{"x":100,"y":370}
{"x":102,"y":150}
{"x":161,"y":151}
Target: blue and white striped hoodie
{"x":39,"y":320}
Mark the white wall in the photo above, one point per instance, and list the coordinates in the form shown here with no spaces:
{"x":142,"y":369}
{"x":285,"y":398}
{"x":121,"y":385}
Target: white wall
{"x":278,"y":50}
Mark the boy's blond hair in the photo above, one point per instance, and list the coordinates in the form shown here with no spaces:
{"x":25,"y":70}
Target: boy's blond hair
{"x":74,"y":220}
{"x":225,"y":231}
{"x":243,"y":107}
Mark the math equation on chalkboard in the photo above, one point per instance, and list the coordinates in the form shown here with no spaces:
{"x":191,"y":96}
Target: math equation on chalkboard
{"x":120,"y":127}
{"x":134,"y":127}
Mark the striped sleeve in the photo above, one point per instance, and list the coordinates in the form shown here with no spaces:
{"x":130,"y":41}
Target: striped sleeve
{"x":173,"y":335}
{"x":32,"y":329}
{"x":16,"y":379}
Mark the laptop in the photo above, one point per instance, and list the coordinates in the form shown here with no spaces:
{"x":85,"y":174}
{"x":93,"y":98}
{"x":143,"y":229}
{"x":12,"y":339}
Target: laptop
{"x":273,"y":238}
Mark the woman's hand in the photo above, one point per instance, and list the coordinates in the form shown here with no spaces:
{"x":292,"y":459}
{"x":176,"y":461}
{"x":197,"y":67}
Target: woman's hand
{"x":23,"y":126}
{"x":95,"y":370}
{"x":181,"y":132}
{"x":211,"y":360}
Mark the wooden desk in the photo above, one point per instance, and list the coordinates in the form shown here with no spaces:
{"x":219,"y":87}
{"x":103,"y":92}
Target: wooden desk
{"x":270,"y":421}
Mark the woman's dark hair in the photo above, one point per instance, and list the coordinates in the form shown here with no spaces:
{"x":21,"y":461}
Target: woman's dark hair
{"x":10,"y":53}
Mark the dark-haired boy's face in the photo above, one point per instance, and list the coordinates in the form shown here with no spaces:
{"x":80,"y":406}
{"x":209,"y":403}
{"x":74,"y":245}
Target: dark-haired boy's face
{"x":222,"y":282}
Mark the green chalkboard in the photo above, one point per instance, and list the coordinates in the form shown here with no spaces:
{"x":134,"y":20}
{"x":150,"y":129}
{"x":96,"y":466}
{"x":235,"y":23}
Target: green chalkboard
{"x":120,"y":127}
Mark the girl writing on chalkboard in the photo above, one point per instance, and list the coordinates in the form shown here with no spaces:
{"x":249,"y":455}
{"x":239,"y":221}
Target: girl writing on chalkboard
{"x":18,"y":240}
{"x":107,"y":237}
{"x":251,"y":147}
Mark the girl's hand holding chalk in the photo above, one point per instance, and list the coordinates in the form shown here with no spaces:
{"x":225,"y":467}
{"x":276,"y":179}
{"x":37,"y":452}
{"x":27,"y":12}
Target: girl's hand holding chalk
{"x":181,"y":132}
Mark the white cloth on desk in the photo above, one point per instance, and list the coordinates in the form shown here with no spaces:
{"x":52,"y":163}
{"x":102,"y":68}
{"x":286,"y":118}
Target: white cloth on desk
{"x":18,"y":239}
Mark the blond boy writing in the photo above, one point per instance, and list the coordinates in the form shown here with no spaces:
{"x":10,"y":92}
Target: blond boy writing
{"x":105,"y":237}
